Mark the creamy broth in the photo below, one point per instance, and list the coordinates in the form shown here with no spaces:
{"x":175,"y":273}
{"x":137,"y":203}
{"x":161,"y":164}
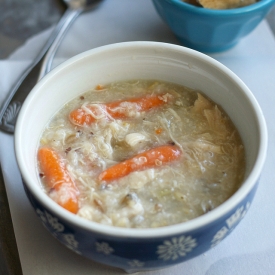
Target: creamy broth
{"x":207,"y":167}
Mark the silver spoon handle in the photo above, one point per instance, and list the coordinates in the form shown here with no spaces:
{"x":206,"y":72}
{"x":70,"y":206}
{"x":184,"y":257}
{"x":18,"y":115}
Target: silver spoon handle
{"x":21,"y":78}
{"x":11,"y":106}
{"x":71,"y":15}
{"x":9,"y":110}
{"x":75,"y":8}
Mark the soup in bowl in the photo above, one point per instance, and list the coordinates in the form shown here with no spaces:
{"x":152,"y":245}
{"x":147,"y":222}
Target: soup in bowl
{"x":133,"y":150}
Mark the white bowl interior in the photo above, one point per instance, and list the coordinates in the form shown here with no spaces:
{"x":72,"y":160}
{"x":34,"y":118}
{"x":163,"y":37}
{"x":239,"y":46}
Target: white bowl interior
{"x":140,"y":60}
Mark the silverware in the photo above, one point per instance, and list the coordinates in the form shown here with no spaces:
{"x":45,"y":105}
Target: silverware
{"x":12,"y":105}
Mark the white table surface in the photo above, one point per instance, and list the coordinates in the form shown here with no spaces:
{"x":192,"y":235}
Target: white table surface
{"x":250,"y":249}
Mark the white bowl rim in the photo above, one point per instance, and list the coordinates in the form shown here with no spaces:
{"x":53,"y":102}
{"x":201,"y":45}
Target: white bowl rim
{"x":167,"y":231}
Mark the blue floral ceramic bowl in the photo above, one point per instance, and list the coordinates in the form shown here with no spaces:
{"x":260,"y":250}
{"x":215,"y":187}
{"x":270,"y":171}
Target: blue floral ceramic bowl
{"x":210,"y":30}
{"x":140,"y":249}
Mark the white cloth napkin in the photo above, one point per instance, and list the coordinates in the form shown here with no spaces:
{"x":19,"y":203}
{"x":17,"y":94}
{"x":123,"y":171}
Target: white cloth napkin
{"x":250,"y":249}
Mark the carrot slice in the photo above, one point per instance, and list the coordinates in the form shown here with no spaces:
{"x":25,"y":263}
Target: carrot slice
{"x":118,"y":109}
{"x":158,"y":131}
{"x":63,"y":189}
{"x":151,"y":158}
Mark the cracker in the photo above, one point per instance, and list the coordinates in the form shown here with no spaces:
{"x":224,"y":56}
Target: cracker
{"x":225,"y":4}
{"x":193,"y":2}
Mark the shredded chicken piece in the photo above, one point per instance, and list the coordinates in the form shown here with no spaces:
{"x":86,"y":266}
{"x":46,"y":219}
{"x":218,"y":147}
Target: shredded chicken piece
{"x":165,"y":124}
{"x":99,"y":110}
{"x":119,"y":129}
{"x":173,"y":112}
{"x":134,"y":139}
{"x":103,"y":143}
{"x":206,"y":146}
{"x":201,"y":104}
{"x":138,"y":179}
{"x":216,"y":120}
{"x":165,"y":97}
{"x":130,"y":109}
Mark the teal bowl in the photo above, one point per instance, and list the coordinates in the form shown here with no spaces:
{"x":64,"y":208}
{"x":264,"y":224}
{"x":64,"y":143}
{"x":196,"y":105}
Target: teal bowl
{"x":208,"y":30}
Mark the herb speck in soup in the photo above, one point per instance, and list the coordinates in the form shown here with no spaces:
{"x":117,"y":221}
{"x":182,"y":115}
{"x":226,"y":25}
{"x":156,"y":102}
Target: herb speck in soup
{"x":141,"y":154}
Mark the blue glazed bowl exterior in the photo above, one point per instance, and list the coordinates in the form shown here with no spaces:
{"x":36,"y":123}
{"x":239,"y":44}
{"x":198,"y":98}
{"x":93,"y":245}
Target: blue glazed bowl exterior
{"x":209,"y":30}
{"x":136,"y":254}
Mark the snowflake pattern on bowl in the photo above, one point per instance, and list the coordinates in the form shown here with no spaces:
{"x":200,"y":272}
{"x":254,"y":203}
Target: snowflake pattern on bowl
{"x":58,"y":230}
{"x":176,"y":247}
{"x":104,"y":248}
{"x":171,"y":250}
{"x":136,"y":263}
{"x":231,"y":222}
